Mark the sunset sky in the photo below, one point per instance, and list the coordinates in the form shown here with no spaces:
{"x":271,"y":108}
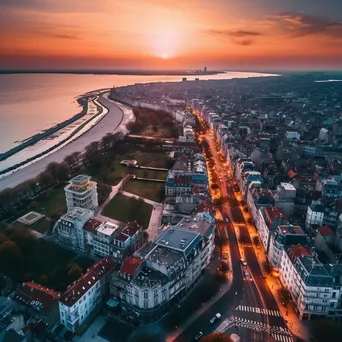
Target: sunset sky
{"x":171,"y":34}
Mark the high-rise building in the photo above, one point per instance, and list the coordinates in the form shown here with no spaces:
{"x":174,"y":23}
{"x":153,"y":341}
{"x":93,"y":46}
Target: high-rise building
{"x":81,"y":192}
{"x":205,"y":69}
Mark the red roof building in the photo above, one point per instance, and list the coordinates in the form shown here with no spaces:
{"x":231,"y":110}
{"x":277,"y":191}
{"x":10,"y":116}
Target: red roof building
{"x":81,"y":286}
{"x":92,"y":225}
{"x":131,"y":266}
{"x":326,"y":230}
{"x":298,"y":251}
{"x":40,"y":302}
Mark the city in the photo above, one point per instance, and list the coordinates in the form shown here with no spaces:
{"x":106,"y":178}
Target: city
{"x":171,"y":171}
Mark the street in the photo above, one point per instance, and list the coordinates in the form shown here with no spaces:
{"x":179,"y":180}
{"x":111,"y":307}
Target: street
{"x":248,"y":308}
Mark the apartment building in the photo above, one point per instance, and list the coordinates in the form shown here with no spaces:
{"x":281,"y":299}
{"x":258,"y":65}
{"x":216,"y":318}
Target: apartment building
{"x":70,"y":227}
{"x":159,"y":274}
{"x":267,"y":222}
{"x":285,"y":236}
{"x":85,"y":295}
{"x":81,"y":192}
{"x":316,"y":288}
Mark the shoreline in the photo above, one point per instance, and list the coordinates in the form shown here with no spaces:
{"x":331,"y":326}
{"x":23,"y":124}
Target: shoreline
{"x":109,"y":123}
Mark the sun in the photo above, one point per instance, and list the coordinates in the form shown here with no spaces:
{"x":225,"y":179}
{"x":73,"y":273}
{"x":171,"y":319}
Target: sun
{"x":165,"y":44}
{"x":164,"y":56}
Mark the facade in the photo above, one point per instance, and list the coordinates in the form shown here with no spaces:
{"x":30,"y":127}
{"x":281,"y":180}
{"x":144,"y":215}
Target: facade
{"x":332,"y":189}
{"x":85,"y":295}
{"x":314,"y":216}
{"x":160,"y":273}
{"x":315,"y":287}
{"x":81,"y":192}
{"x":70,"y":227}
{"x":267,"y":222}
{"x":186,"y":174}
{"x":285,"y":236}
{"x":40,"y":302}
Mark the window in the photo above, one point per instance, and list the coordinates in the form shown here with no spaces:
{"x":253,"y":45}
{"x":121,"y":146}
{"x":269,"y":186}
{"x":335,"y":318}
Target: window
{"x":145,"y":295}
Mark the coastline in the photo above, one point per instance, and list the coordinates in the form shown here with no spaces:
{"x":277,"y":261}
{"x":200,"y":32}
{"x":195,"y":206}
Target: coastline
{"x":112,"y":122}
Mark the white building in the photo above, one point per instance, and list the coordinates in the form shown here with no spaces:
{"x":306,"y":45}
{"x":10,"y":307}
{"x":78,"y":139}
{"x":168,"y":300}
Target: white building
{"x":85,"y":295}
{"x":316,"y":288}
{"x":285,"y":236}
{"x":70,"y":227}
{"x":292,"y":135}
{"x":82,"y":193}
{"x":160,"y":273}
{"x":314,"y":215}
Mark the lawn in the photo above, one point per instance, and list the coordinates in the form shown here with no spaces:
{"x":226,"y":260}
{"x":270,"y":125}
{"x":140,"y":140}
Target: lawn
{"x":112,"y":171}
{"x":51,"y":203}
{"x":151,"y":190}
{"x":153,"y":174}
{"x":126,"y":209}
{"x":115,"y":331}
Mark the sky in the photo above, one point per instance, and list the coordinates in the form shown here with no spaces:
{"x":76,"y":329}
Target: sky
{"x":171,"y":34}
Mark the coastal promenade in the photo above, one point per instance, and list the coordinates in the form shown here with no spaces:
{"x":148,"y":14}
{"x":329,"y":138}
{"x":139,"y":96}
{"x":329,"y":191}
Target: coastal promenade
{"x":111,"y":122}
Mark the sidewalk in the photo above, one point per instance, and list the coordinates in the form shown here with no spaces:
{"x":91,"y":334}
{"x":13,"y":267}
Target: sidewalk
{"x":294,"y":324}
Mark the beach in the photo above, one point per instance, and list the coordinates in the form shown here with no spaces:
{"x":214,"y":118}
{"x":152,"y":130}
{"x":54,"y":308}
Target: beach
{"x":111,"y":122}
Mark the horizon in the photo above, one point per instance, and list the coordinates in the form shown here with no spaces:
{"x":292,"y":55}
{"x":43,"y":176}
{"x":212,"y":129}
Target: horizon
{"x":266,"y":35}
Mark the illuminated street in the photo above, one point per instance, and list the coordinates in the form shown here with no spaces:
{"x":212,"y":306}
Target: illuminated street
{"x":248,"y":308}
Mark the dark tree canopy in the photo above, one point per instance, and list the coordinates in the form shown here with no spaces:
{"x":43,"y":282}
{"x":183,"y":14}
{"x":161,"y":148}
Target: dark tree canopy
{"x":216,"y":337}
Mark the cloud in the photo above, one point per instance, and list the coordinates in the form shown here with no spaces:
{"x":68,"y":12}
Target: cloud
{"x":300,"y":25}
{"x":240,"y":37}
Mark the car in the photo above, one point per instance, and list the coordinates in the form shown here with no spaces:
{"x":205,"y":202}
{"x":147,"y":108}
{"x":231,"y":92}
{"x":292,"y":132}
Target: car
{"x":215,"y":318}
{"x":243,"y":262}
{"x":247,"y":276}
{"x":226,"y":220}
{"x":198,"y":336}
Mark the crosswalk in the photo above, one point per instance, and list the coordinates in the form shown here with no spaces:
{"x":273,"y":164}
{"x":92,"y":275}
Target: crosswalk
{"x":259,"y":310}
{"x":260,"y":326}
{"x":283,"y":338}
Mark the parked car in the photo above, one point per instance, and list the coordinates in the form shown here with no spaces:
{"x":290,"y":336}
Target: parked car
{"x":247,"y":276}
{"x":243,"y":262}
{"x":198,"y":336}
{"x":215,"y":318}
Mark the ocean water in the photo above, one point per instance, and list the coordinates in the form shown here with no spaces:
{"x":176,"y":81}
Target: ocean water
{"x":30,"y":103}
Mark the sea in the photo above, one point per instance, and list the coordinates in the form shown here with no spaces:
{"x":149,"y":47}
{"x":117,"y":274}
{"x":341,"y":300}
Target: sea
{"x":32,"y":103}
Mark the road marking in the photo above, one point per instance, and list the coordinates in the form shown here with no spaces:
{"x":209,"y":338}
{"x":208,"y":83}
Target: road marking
{"x":283,"y":338}
{"x":259,"y":310}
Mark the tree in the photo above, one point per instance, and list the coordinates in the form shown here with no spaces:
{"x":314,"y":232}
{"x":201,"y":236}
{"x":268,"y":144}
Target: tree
{"x":52,"y":168}
{"x":103,"y":191}
{"x":45,"y":179}
{"x":74,"y":272}
{"x":62,"y":172}
{"x":145,"y":236}
{"x":284,"y":296}
{"x":216,"y":337}
{"x":268,"y":267}
{"x":10,"y":252}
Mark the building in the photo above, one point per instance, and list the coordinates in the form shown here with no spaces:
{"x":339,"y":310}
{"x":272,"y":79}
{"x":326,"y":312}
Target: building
{"x":40,"y":302}
{"x":315,"y":287}
{"x":85,"y":295}
{"x":81,"y":192}
{"x":331,"y":189}
{"x":285,"y":236}
{"x":158,"y":275}
{"x":70,"y":227}
{"x":258,"y":198}
{"x":314,"y":216}
{"x":267,"y":222}
{"x":126,"y":241}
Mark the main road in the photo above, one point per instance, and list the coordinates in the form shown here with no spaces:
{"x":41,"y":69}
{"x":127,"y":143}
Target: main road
{"x":248,"y":308}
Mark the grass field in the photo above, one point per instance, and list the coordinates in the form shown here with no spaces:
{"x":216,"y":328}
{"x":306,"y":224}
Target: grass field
{"x":51,"y":203}
{"x":154,"y":174}
{"x":151,"y":190}
{"x":113,"y":172}
{"x":126,"y":209}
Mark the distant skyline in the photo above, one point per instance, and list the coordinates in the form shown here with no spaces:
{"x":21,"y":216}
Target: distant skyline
{"x":171,"y":34}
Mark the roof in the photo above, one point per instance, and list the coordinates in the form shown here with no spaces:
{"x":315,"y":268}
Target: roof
{"x":299,"y":250}
{"x":92,"y":225}
{"x":130,"y":265}
{"x":291,"y":230}
{"x":326,"y":230}
{"x":38,"y":297}
{"x":178,"y":239}
{"x":81,"y":286}
{"x":274,"y":213}
{"x":131,"y":228}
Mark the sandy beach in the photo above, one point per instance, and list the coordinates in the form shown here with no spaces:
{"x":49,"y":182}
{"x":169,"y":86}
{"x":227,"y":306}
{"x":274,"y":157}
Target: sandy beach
{"x":110,"y":123}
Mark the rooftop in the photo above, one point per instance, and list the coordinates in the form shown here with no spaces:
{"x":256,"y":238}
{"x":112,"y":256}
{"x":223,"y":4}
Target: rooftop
{"x":299,"y":250}
{"x":92,"y":225}
{"x":201,"y":223}
{"x":149,"y":278}
{"x":164,"y":256}
{"x":326,"y":230}
{"x":80,"y":180}
{"x":273,"y":213}
{"x":38,"y":297}
{"x":107,"y":228}
{"x":81,"y":286}
{"x":288,"y":186}
{"x":131,"y":265}
{"x":178,"y":239}
{"x":291,"y":230}
{"x":76,"y":213}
